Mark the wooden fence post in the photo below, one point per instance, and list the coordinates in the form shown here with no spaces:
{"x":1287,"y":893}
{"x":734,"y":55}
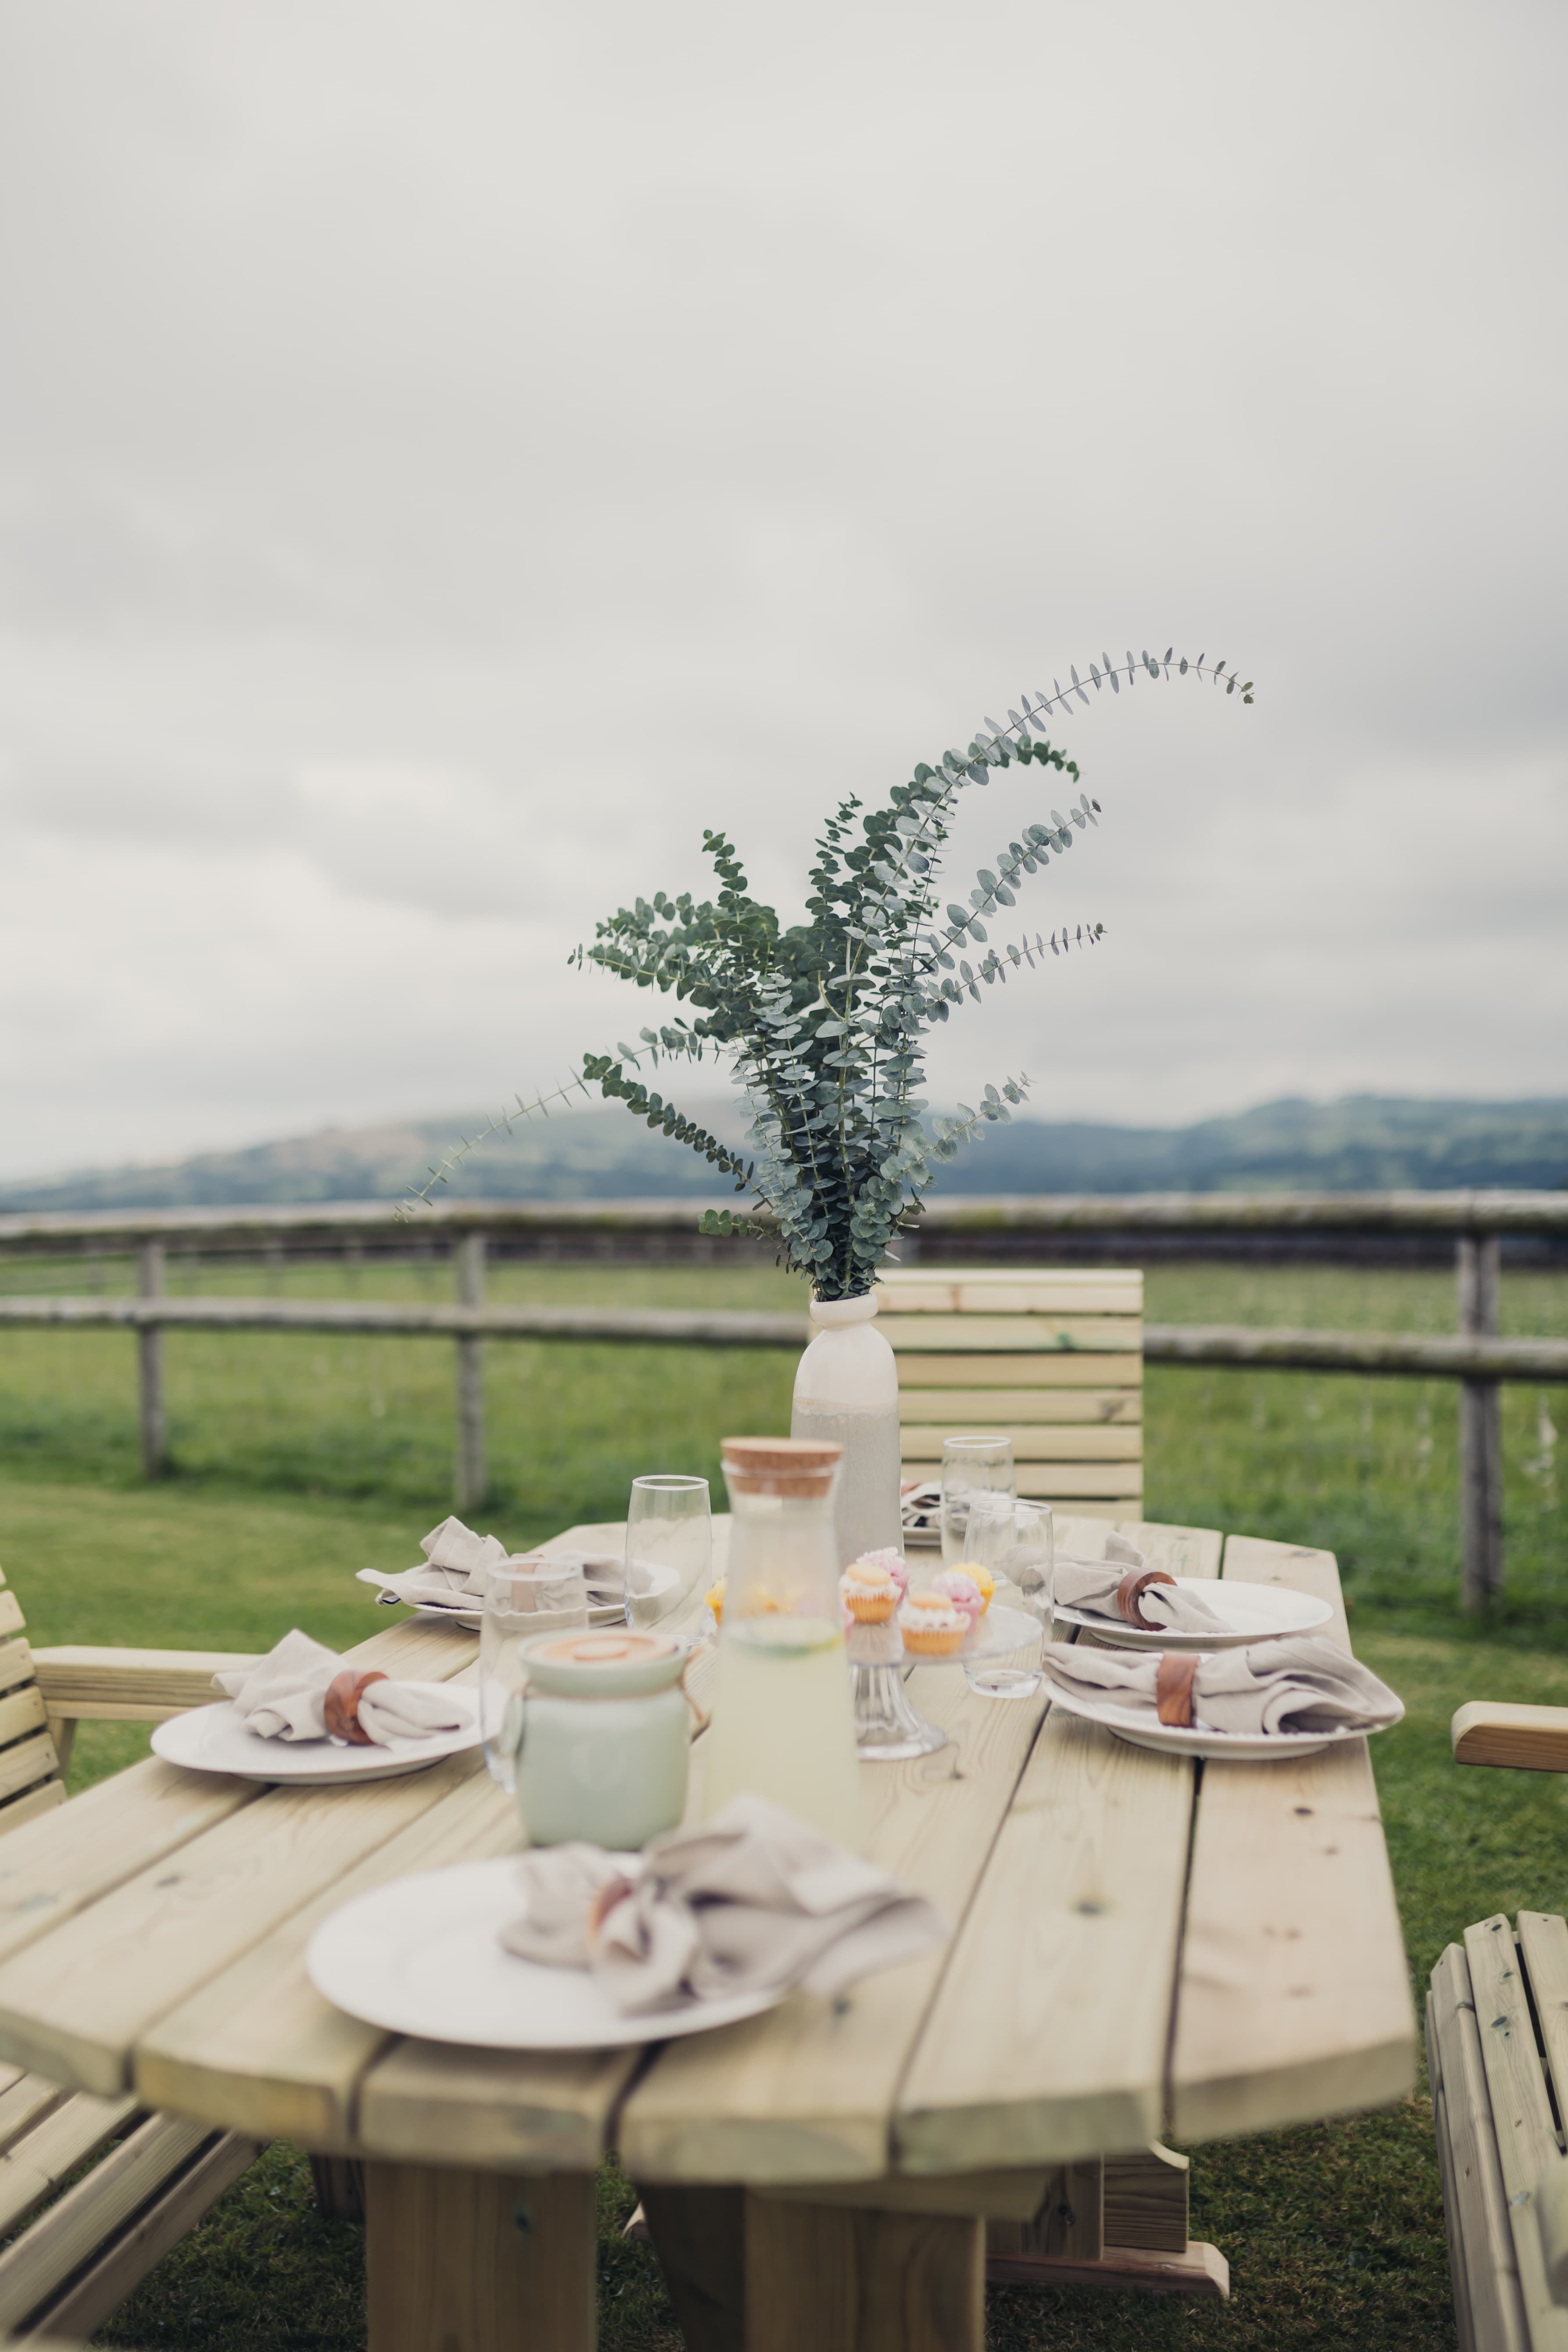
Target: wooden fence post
{"x":1480,"y":1429}
{"x":149,"y":1365}
{"x":470,"y":1483}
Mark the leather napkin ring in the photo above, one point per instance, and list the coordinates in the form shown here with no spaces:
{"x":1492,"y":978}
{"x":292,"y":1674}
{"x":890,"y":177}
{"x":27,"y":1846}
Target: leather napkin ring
{"x":344,"y":1695}
{"x":1128,"y":1592}
{"x":1173,"y":1679}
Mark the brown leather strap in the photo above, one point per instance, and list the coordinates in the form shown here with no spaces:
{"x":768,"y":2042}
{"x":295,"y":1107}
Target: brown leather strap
{"x":344,"y":1695}
{"x":1173,"y":1679}
{"x":1128,"y":1593}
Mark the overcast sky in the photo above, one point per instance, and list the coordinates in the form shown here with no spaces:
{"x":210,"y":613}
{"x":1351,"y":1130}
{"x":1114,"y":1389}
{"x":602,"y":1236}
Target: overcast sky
{"x":450,"y":453}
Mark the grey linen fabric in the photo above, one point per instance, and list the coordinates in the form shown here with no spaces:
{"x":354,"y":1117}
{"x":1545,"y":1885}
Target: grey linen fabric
{"x":283,"y":1697}
{"x":452,"y":1574}
{"x":753,"y":1901}
{"x":1090,"y":1585}
{"x":1302,"y":1683}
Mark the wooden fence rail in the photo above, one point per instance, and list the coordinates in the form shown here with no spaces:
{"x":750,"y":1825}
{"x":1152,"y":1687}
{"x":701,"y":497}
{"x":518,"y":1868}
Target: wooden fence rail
{"x":1475,"y":1356}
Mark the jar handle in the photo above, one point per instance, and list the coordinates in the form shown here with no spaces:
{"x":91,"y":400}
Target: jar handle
{"x":700,"y":1718}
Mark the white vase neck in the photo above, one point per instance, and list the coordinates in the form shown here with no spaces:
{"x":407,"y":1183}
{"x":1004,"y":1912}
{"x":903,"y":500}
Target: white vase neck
{"x":832,"y":1314}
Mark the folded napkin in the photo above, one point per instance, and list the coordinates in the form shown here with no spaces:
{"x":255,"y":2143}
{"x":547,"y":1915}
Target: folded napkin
{"x":920,"y":1508}
{"x":1302,"y":1683}
{"x":1122,"y":1585}
{"x":301,"y":1690}
{"x":751,"y":1901}
{"x":452,"y":1574}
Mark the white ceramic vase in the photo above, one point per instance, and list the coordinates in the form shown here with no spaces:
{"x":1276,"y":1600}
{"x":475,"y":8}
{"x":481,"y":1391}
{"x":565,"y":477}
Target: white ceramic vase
{"x":846,"y":1393}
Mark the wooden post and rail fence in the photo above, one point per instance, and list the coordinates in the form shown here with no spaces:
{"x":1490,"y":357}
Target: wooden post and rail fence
{"x":1023,"y":1228}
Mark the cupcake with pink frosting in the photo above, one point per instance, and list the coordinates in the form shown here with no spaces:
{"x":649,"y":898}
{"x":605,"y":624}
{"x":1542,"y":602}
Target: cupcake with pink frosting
{"x":956,"y":1584}
{"x":892,"y":1560}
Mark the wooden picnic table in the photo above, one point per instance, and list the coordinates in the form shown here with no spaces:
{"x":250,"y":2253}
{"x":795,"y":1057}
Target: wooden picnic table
{"x":1142,"y":1946}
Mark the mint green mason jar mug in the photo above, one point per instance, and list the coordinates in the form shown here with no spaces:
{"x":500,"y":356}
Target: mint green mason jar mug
{"x":605,"y":1738}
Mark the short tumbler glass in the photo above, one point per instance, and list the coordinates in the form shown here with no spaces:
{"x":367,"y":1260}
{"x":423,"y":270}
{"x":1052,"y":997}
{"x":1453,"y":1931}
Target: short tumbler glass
{"x":669,"y":1547}
{"x":524,"y":1597}
{"x":1014,"y":1540}
{"x":970,"y":1466}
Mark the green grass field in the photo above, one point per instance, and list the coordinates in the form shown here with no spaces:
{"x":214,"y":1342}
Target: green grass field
{"x":298,"y":1460}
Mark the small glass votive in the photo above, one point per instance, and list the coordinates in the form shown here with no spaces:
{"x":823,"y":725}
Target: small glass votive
{"x":971,"y":1466}
{"x":525,"y":1597}
{"x":1014,"y":1540}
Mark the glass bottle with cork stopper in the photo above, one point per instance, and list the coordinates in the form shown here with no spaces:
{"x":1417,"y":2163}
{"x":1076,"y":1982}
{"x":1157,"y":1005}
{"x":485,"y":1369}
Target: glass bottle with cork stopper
{"x":783,"y":1721}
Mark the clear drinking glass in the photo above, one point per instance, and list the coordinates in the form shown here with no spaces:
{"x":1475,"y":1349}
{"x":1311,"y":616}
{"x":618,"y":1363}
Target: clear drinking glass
{"x":669,"y":1547}
{"x":524,"y":1597}
{"x":970,"y":1466}
{"x":1013,"y":1539}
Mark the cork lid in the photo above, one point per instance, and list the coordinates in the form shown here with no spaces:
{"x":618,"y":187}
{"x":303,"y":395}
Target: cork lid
{"x":779,"y":1466}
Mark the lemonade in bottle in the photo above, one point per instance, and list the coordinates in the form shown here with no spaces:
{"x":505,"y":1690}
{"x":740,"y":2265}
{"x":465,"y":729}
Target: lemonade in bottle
{"x":783,"y":1722}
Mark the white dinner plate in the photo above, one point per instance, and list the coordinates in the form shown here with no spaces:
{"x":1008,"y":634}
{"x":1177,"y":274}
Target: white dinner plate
{"x":610,"y":1612}
{"x":218,"y":1739}
{"x":1232,"y":1747}
{"x":1253,"y":1612}
{"x":424,"y":1956}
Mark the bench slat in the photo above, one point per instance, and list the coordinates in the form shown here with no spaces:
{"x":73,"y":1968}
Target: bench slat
{"x":1521,"y":2121}
{"x":1457,"y":2273}
{"x":1490,"y":2267}
{"x":1121,"y":1372}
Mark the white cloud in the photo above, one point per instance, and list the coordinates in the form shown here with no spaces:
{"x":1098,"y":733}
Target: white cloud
{"x":447,"y":457}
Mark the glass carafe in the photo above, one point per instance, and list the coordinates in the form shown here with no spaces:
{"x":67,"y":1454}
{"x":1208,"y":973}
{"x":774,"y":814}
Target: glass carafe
{"x":783,"y":1722}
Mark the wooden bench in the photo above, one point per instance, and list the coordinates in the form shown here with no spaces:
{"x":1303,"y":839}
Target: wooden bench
{"x":1497,"y":2045}
{"x":75,"y":2253}
{"x":1053,"y":1360}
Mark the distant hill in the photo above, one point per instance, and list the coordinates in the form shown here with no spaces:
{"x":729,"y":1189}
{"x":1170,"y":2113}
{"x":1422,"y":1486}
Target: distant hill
{"x":1360,"y":1143}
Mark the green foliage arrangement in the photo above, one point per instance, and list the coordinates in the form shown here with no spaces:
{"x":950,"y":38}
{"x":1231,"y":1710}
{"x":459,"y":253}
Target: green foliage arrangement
{"x":822,"y":1023}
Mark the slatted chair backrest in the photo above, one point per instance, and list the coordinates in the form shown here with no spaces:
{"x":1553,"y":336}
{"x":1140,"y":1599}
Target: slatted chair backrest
{"x":1051,"y":1358}
{"x":30,"y":1780}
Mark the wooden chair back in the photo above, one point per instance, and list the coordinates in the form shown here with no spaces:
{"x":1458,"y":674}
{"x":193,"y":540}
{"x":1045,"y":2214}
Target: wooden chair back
{"x":1051,"y":1358}
{"x":30,"y":1777}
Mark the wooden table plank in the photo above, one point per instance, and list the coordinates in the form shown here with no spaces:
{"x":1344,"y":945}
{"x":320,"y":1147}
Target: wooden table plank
{"x":507,"y":2109}
{"x":1046,"y":2040}
{"x":1295,"y":1997}
{"x":258,"y":2049}
{"x":75,"y":2002}
{"x":804,"y":2093}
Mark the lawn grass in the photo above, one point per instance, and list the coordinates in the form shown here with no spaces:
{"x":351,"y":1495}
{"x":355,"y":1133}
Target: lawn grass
{"x":290,"y":1477}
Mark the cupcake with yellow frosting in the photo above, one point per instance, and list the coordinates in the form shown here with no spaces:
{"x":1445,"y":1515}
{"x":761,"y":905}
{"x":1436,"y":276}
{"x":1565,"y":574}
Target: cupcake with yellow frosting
{"x":931,"y":1625}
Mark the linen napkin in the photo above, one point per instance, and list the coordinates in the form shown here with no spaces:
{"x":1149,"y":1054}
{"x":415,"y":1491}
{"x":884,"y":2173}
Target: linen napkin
{"x":1301,"y":1683}
{"x":288,"y":1694}
{"x":1123,"y":1586}
{"x":920,"y":1508}
{"x":751,"y":1901}
{"x":452,"y":1573}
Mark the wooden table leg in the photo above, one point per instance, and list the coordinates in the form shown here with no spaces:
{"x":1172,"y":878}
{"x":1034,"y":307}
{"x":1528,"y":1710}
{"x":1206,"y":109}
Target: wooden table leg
{"x":480,"y":2262}
{"x":700,"y":2237}
{"x":840,"y":2278}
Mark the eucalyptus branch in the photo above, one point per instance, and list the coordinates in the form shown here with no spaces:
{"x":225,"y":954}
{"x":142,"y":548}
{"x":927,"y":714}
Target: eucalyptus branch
{"x":825,"y":1022}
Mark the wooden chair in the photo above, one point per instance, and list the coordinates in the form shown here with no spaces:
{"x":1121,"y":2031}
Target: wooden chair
{"x":1497,"y":2045}
{"x":1051,"y":1359}
{"x":70,"y":2258}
